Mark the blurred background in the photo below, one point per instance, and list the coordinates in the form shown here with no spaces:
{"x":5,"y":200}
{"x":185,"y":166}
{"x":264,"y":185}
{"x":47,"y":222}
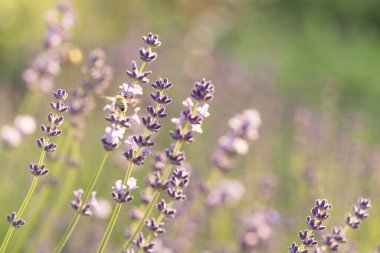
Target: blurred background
{"x":311,"y":68}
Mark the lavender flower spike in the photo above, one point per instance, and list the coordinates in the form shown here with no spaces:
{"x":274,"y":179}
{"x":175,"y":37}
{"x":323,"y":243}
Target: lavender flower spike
{"x":39,"y":169}
{"x":314,"y":222}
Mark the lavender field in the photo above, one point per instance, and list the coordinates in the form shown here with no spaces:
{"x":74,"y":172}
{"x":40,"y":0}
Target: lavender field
{"x":190,"y":126}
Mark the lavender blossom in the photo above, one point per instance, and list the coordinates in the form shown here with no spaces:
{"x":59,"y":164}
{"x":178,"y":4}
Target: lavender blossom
{"x":190,"y":121}
{"x":39,"y":169}
{"x":84,"y":208}
{"x":119,"y":194}
{"x":314,"y":222}
{"x":337,"y":236}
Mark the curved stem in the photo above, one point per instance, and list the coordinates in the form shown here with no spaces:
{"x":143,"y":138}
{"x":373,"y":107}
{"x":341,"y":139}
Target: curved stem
{"x":77,"y":215}
{"x":24,"y":203}
{"x":114,"y":217}
{"x":59,"y":203}
{"x":19,"y":213}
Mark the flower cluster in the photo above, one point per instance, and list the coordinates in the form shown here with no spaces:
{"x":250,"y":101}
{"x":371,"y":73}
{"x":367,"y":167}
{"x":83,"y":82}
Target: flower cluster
{"x":119,"y":194}
{"x":333,"y":240}
{"x":190,"y":121}
{"x":127,"y":95}
{"x":55,"y":119}
{"x":315,"y":222}
{"x":143,"y":142}
{"x":84,"y":208}
{"x":17,"y":223}
{"x":52,"y":130}
{"x":244,"y":128}
{"x":47,"y":64}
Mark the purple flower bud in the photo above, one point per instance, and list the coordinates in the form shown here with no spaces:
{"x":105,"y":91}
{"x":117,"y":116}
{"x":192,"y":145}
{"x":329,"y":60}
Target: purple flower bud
{"x":152,"y":40}
{"x":134,"y":74}
{"x":203,"y":90}
{"x":60,"y":95}
{"x":35,"y":170}
{"x":162,"y":84}
{"x":147,"y":55}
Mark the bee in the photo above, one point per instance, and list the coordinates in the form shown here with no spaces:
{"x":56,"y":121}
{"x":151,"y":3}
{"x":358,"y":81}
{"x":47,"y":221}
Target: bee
{"x":121,"y":103}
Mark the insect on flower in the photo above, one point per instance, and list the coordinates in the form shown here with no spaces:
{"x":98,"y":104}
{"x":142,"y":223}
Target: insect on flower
{"x":121,"y":103}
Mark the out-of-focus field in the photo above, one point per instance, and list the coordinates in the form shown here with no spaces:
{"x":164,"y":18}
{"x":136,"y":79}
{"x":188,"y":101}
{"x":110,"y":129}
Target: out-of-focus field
{"x":311,"y":68}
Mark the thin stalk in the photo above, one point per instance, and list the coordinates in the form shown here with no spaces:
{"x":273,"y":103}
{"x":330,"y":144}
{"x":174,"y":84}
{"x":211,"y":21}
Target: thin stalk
{"x":77,"y":215}
{"x":117,"y":209}
{"x":156,"y":192}
{"x":59,"y":203}
{"x":152,"y":203}
{"x":24,"y":203}
{"x":42,"y":195}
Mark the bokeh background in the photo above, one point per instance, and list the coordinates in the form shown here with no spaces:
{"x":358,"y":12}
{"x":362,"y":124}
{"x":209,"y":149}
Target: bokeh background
{"x":311,"y":68}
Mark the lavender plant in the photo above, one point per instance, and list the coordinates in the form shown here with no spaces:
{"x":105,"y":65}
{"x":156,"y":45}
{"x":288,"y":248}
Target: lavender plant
{"x":114,"y":133}
{"x":52,"y":130}
{"x":315,"y":223}
{"x":96,"y":77}
{"x":139,"y":145}
{"x":332,"y":241}
{"x":171,"y":178}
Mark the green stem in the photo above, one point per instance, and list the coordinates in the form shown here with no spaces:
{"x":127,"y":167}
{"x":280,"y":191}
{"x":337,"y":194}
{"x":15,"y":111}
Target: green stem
{"x":59,"y":203}
{"x":41,"y":196}
{"x":116,"y":211}
{"x":24,"y":203}
{"x":114,"y":217}
{"x":77,"y":215}
{"x":156,"y":192}
{"x":19,"y":213}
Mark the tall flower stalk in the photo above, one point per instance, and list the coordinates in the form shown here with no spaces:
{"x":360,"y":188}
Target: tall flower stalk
{"x":315,"y":223}
{"x":96,"y":77}
{"x":139,"y":144}
{"x":39,"y":169}
{"x":169,"y":180}
{"x":337,"y":237}
{"x":114,"y":134}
